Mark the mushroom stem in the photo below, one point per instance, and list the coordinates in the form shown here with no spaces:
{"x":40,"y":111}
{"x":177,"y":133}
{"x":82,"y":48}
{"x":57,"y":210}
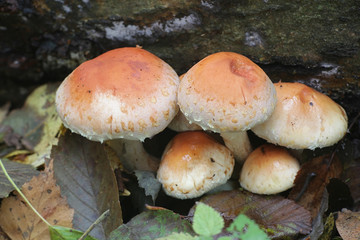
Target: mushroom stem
{"x":133,"y":155}
{"x":238,"y":143}
{"x":181,"y":124}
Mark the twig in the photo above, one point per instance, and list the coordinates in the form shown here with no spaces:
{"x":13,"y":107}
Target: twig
{"x":305,"y":186}
{"x":97,"y":221}
{"x":21,"y":194}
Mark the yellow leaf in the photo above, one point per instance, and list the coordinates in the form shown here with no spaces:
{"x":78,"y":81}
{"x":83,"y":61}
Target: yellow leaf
{"x":42,"y":101}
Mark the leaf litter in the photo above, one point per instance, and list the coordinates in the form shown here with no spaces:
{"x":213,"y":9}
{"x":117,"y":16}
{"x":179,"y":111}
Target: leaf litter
{"x":278,"y":217}
{"x":352,"y":178}
{"x":35,"y":126}
{"x":348,"y":224}
{"x":311,"y":181}
{"x":18,"y":220}
{"x":152,"y":224}
{"x":20,"y":173}
{"x":4,"y":109}
{"x":149,"y":183}
{"x":83,"y":172}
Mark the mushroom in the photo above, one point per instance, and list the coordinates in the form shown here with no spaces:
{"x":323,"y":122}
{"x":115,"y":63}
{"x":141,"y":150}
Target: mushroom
{"x":303,"y":118}
{"x":180,"y":123}
{"x":126,"y":93}
{"x":193,"y":163}
{"x":227,"y":93}
{"x":269,"y":169}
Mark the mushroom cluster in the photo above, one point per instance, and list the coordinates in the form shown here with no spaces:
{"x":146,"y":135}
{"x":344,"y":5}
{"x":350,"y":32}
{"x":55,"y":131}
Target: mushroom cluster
{"x":227,"y":93}
{"x":128,"y":94}
{"x":303,"y":119}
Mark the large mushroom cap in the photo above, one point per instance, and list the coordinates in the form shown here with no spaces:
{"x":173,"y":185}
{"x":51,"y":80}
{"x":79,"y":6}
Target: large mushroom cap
{"x":303,"y":118}
{"x":269,"y":169}
{"x":194,"y":163}
{"x":124,"y":93}
{"x":226,"y":92}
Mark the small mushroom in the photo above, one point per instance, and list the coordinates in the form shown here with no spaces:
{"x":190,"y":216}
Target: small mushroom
{"x":193,"y":163}
{"x":303,"y":119}
{"x":126,"y":93}
{"x":229,"y":94}
{"x":269,"y":169}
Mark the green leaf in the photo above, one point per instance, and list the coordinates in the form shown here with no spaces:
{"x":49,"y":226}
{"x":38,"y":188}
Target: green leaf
{"x":150,"y":225}
{"x":277,"y":216}
{"x":226,"y":238}
{"x":178,"y":236}
{"x":245,"y":228}
{"x":20,"y":173}
{"x":207,"y":221}
{"x":83,"y":172}
{"x":64,"y":233}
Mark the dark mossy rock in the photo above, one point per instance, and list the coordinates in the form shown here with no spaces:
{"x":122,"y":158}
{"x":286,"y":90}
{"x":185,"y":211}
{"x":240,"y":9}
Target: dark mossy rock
{"x":316,"y":42}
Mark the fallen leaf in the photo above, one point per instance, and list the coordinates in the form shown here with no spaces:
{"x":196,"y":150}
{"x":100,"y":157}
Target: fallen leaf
{"x":148,"y":181}
{"x":152,"y":224}
{"x":20,"y":173}
{"x":311,"y":181}
{"x":352,"y":178}
{"x":348,"y":224}
{"x":328,"y":228}
{"x":244,"y":228}
{"x":19,"y":221}
{"x":318,"y":221}
{"x":86,"y":178}
{"x":3,"y":236}
{"x":64,"y":233}
{"x":4,"y":111}
{"x":276,"y":215}
{"x":12,"y":139}
{"x":178,"y":236}
{"x":35,"y":125}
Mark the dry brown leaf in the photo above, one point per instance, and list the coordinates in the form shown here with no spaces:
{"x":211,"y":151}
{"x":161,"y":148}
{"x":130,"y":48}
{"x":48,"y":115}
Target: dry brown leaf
{"x":18,"y":221}
{"x":311,"y":181}
{"x":352,"y":178}
{"x":348,"y":224}
{"x":3,"y":236}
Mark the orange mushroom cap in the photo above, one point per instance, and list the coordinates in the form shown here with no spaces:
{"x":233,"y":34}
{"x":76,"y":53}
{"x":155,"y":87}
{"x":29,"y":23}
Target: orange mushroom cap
{"x":124,"y":93}
{"x":226,"y":92}
{"x":194,"y":163}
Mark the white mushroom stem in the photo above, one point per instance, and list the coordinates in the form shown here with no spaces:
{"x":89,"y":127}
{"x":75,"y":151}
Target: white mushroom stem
{"x":133,"y":155}
{"x":238,"y":143}
{"x":181,"y":124}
